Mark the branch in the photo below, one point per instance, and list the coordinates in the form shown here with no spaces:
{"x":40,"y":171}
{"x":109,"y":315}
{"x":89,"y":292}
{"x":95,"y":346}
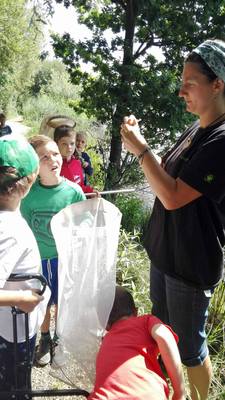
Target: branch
{"x":125,"y":164}
{"x":142,"y":50}
{"x":124,"y":161}
{"x":120,"y":2}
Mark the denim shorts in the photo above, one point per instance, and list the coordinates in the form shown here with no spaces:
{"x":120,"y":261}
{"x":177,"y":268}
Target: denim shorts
{"x":50,"y":272}
{"x":185,"y":309}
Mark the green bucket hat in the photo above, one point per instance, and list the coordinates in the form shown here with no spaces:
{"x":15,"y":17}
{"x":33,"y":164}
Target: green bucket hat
{"x":18,"y":153}
{"x":213,"y":53}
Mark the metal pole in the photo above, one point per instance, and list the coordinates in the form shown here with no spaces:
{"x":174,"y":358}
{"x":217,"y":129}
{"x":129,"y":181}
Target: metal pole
{"x":112,"y":192}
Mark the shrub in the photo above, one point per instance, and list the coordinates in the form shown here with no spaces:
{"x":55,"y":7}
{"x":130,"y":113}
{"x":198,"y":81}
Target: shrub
{"x":35,"y":108}
{"x":134,"y":213}
{"x":133,"y":269}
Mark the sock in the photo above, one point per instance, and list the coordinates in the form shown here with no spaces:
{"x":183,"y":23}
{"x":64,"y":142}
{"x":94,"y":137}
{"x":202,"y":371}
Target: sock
{"x":45,"y":335}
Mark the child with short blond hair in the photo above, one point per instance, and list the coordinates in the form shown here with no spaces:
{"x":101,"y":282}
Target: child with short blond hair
{"x":50,"y":194}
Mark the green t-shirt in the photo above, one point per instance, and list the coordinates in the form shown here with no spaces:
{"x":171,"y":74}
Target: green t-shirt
{"x":41,"y":204}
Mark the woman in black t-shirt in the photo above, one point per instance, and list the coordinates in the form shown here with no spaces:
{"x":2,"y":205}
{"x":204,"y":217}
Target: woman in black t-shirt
{"x":187,"y":225}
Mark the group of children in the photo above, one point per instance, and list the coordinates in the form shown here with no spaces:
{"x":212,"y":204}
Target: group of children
{"x":127,"y":364}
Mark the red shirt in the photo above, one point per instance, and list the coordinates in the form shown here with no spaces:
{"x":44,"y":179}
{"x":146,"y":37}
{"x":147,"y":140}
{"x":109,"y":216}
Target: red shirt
{"x":73,"y":171}
{"x":127,"y":365}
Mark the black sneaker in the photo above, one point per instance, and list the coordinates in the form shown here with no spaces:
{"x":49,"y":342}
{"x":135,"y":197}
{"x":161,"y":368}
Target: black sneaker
{"x":43,"y":351}
{"x":55,"y":340}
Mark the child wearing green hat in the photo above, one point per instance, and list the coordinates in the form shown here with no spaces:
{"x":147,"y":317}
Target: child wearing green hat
{"x":19,"y":254}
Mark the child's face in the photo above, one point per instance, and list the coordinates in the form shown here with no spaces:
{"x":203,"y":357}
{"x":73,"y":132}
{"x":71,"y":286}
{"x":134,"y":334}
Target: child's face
{"x":80,"y":143}
{"x":67,"y":146}
{"x":50,"y":162}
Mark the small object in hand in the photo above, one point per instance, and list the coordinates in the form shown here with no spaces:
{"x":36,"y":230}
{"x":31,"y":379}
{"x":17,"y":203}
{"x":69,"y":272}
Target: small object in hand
{"x":131,"y":120}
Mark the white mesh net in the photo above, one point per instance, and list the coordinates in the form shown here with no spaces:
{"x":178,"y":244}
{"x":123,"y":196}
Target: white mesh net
{"x":86,"y":236}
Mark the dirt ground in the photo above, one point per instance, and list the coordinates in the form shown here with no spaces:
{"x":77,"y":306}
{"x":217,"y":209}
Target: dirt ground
{"x":44,"y":378}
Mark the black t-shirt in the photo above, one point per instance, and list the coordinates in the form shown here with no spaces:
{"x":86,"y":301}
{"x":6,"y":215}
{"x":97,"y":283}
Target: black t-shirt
{"x":186,"y":243}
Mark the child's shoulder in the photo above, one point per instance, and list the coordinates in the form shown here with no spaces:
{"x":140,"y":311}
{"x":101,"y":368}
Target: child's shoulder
{"x":84,"y":155}
{"x":70,"y":184}
{"x":67,"y":184}
{"x":149,"y":320}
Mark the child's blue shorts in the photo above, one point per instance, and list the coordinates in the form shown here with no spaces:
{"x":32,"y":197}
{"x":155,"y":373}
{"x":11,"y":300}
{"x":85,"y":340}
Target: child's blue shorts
{"x":50,"y":272}
{"x":185,"y":309}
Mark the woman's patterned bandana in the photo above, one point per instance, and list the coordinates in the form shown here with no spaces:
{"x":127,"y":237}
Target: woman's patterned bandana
{"x":213,"y":53}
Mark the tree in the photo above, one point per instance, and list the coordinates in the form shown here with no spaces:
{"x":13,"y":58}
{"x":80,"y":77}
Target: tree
{"x":20,"y":31}
{"x":126,"y":77}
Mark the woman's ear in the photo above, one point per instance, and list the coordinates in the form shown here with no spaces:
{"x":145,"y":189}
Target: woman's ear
{"x":219,"y":85}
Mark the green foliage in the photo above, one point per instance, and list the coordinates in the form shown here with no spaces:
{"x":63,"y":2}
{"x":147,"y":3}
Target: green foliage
{"x":216,"y":319}
{"x":19,"y":49}
{"x":51,"y":92}
{"x":34,"y":109}
{"x":133,"y":269}
{"x":98,"y":178}
{"x":12,"y":24}
{"x":52,"y":79}
{"x":134,"y":213}
{"x":217,"y":389}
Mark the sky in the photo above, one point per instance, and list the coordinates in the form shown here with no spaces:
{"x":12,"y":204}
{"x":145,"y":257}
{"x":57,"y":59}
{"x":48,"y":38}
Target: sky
{"x":64,"y":20}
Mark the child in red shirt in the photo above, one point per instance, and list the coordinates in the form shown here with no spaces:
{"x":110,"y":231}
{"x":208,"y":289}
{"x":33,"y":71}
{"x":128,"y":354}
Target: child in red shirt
{"x":65,"y":137}
{"x":127,"y":363}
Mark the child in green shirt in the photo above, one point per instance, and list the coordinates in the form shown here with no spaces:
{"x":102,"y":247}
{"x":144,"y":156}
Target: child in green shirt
{"x":50,"y":194}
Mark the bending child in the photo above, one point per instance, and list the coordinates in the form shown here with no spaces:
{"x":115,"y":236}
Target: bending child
{"x":50,"y":194}
{"x":19,"y":254}
{"x":127,"y":363}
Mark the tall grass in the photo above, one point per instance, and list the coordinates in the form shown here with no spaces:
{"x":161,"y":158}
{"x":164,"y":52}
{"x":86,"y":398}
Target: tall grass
{"x":133,"y":269}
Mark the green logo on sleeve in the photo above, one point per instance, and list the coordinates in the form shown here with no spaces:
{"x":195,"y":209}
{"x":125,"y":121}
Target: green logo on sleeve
{"x":209,"y":178}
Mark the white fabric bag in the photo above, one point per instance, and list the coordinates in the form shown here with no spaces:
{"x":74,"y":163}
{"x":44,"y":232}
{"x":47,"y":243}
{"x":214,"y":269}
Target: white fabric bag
{"x":86,"y":235}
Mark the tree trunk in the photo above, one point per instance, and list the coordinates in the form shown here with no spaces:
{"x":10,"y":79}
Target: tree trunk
{"x":113,"y":175}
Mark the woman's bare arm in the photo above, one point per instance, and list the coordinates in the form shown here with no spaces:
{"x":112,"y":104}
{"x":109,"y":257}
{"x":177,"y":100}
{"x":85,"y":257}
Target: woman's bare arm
{"x":173,"y":193}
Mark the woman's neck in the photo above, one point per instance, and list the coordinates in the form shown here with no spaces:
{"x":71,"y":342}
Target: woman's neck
{"x":212,"y":117}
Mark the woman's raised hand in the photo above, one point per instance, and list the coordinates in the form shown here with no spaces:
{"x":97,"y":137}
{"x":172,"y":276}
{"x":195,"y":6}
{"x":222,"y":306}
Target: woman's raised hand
{"x":132,"y":139}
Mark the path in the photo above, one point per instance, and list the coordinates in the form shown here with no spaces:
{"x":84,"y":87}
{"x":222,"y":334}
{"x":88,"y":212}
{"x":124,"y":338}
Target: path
{"x":18,"y":127}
